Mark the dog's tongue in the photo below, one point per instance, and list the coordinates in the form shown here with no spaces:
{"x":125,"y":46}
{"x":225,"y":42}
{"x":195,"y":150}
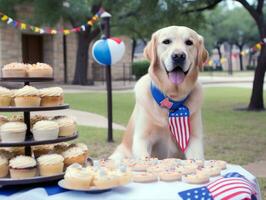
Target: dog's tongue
{"x":176,"y":77}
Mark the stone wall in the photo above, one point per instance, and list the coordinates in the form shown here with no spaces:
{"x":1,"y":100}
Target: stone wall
{"x":11,"y":51}
{"x":10,"y":45}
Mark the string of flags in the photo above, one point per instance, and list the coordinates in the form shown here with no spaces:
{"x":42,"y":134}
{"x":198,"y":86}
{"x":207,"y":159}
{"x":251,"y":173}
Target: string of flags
{"x":49,"y":30}
{"x":253,"y":49}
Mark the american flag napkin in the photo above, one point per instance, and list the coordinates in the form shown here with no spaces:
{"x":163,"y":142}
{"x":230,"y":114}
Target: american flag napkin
{"x":232,"y":186}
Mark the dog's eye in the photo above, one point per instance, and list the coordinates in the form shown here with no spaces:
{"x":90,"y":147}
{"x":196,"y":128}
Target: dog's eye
{"x":167,"y":41}
{"x":189,"y":42}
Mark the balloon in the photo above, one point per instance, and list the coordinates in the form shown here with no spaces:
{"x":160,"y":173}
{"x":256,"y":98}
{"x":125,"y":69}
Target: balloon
{"x":108,"y":51}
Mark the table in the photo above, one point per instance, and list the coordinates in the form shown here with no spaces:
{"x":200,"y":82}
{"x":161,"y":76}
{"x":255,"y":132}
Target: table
{"x":151,"y":191}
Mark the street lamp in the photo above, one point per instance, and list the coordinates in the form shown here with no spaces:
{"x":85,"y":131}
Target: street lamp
{"x":106,"y":24}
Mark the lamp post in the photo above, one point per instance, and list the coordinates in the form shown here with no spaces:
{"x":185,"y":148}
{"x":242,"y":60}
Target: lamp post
{"x":106,"y":24}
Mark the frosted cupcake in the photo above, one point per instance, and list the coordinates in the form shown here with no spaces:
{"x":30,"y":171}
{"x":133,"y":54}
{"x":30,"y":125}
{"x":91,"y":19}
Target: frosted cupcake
{"x":74,"y":155}
{"x":40,"y":70}
{"x":3,"y":166}
{"x":52,"y":96}
{"x":4,"y":152}
{"x":84,"y":147}
{"x":59,"y":148}
{"x":22,"y":167}
{"x":41,"y":150}
{"x":67,"y":126}
{"x":77,"y":177}
{"x":14,"y":70}
{"x":50,"y":164}
{"x":27,"y":96}
{"x":16,"y":151}
{"x":45,"y":130}
{"x":13,"y":132}
{"x":5,"y":96}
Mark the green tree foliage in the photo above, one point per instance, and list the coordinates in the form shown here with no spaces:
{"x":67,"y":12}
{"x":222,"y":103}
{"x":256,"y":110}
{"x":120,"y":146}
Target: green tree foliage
{"x":135,"y":18}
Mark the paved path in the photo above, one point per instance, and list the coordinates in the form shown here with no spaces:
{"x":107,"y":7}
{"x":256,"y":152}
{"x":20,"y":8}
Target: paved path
{"x":85,"y":118}
{"x":258,"y":169}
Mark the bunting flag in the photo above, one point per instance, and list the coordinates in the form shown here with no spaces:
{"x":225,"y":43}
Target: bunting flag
{"x":48,"y":30}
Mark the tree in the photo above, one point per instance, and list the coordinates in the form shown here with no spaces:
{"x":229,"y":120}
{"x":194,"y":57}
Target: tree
{"x":233,"y":26}
{"x":135,"y":18}
{"x":256,"y":11}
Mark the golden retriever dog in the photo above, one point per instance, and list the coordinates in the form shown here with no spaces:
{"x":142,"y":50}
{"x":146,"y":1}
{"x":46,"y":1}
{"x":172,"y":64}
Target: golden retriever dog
{"x":176,"y":54}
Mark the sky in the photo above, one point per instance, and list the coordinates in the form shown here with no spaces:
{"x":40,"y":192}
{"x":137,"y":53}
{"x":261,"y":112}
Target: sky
{"x":232,"y":4}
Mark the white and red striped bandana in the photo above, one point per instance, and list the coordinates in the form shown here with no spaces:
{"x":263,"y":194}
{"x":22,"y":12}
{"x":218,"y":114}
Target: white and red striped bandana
{"x":179,"y":124}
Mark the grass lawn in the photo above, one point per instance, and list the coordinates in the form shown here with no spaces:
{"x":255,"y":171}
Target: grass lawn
{"x":235,"y":136}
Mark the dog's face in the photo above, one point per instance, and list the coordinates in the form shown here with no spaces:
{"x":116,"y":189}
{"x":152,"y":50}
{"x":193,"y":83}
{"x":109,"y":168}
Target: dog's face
{"x":176,"y":53}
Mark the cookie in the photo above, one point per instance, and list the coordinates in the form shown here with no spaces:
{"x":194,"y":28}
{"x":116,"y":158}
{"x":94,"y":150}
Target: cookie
{"x":144,"y":177}
{"x":218,"y":163}
{"x":170,"y":176}
{"x":196,"y":178}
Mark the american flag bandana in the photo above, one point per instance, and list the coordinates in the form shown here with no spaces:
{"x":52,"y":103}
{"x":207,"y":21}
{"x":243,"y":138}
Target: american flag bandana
{"x":180,"y":127}
{"x":179,"y":120}
{"x":233,"y":186}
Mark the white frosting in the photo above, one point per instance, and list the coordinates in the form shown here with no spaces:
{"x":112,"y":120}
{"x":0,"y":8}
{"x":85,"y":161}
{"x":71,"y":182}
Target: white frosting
{"x":15,"y":65}
{"x":72,"y":152}
{"x":5,"y":92}
{"x":13,"y":127}
{"x":50,"y":159}
{"x":77,"y":172}
{"x":45,"y":125}
{"x":83,"y":146}
{"x":27,"y":91}
{"x":65,"y":121}
{"x":22,"y":162}
{"x":52,"y":91}
{"x":40,"y":66}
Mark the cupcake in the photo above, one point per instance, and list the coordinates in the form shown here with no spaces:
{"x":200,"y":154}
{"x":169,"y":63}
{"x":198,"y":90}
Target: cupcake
{"x":3,"y":166}
{"x":16,"y":118}
{"x":84,"y":147}
{"x":13,"y":132}
{"x":45,"y":130}
{"x":40,"y":70}
{"x":60,"y":147}
{"x":37,"y":118}
{"x":5,"y":96}
{"x":67,"y":126}
{"x":77,"y":177}
{"x":41,"y":150}
{"x":27,"y":96}
{"x":50,"y":164}
{"x":16,"y":151}
{"x":74,"y":155}
{"x":22,"y":167}
{"x":52,"y":96}
{"x":104,"y":179}
{"x":4,"y":152}
{"x":14,"y":70}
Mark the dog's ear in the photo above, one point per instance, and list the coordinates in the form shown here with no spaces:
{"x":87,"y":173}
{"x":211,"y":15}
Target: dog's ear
{"x":203,"y":54}
{"x":150,"y":50}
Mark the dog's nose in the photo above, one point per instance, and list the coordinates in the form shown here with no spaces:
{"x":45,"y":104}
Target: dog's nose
{"x":179,"y":57}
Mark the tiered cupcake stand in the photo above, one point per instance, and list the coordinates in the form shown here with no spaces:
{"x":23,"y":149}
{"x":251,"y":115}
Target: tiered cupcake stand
{"x":29,"y":141}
